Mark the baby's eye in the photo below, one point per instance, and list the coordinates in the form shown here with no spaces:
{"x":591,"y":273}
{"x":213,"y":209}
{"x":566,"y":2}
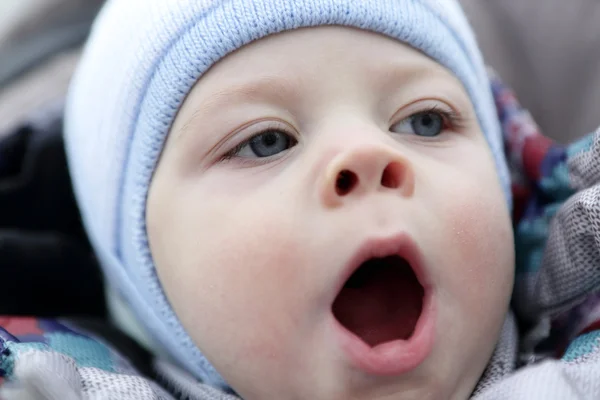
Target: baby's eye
{"x":425,"y":123}
{"x":266,"y":144}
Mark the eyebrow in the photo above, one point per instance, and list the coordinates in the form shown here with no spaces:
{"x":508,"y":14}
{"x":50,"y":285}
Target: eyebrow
{"x":281,"y":89}
{"x":275,"y":89}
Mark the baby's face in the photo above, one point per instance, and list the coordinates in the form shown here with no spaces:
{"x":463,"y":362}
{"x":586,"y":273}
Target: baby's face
{"x":327,"y":222}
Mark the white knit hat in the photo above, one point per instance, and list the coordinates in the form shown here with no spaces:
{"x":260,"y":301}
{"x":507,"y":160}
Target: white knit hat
{"x":144,"y":56}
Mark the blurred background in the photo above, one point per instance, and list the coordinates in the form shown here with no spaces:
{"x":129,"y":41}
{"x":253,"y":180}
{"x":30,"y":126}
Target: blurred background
{"x":39,"y":45}
{"x":548,"y":50}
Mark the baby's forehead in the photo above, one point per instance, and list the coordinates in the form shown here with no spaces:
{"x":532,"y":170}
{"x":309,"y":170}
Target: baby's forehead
{"x":291,"y":62}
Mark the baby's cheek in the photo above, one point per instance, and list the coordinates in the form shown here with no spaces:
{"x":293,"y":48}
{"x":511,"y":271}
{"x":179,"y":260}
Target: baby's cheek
{"x":245,"y":278}
{"x":479,"y":226}
{"x":481,"y":240}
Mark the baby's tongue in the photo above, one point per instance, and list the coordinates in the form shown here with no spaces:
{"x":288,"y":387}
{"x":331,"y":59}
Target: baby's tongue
{"x":381,"y":301}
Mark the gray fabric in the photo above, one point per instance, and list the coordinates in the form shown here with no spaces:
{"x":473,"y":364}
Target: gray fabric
{"x":571,"y":263}
{"x":567,"y":283}
{"x":550,"y":380}
{"x":572,"y":259}
{"x":504,"y":359}
{"x":46,"y":375}
{"x":99,"y":384}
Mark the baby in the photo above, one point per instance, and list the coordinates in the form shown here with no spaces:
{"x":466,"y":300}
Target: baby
{"x":297,"y":199}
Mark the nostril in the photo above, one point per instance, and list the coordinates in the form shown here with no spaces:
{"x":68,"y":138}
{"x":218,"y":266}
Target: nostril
{"x":392,"y":176}
{"x":345,"y":182}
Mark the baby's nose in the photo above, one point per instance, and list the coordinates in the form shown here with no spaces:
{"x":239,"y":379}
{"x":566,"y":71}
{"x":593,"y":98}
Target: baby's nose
{"x":361,"y":170}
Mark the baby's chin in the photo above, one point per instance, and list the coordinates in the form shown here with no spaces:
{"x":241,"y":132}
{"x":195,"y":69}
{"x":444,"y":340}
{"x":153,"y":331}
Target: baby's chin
{"x":339,"y":382}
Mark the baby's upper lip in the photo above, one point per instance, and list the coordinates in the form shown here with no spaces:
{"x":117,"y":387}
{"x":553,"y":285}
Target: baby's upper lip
{"x":401,"y":245}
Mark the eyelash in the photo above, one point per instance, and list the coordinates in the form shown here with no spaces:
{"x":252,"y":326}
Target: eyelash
{"x":238,"y":148}
{"x":452,"y":121}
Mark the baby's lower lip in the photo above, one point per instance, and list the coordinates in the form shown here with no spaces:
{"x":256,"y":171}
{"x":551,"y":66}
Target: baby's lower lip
{"x":394,"y":357}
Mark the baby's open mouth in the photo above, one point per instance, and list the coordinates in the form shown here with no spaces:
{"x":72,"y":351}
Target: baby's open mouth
{"x":381,"y":301}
